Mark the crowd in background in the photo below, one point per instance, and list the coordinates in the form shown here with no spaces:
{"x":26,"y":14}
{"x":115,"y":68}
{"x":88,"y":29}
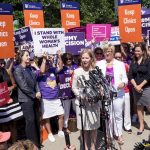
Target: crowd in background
{"x":34,"y":83}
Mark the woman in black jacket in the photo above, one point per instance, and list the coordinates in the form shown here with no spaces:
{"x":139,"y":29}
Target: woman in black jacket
{"x":28,"y":93}
{"x":139,"y":75}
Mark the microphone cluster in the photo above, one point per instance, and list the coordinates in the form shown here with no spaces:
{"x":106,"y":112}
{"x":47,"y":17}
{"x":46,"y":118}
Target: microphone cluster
{"x":97,"y":88}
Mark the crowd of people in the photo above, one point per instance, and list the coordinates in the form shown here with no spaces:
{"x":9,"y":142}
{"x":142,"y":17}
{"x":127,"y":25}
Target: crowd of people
{"x":35,"y":84}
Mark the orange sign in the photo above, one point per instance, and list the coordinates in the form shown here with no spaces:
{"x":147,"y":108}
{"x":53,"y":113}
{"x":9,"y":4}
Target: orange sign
{"x":34,"y":18}
{"x":6,"y":36}
{"x":70,"y":19}
{"x":130,"y":23}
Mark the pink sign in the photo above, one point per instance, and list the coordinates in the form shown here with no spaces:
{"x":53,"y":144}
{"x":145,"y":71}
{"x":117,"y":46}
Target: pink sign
{"x":4,"y":94}
{"x":98,"y":31}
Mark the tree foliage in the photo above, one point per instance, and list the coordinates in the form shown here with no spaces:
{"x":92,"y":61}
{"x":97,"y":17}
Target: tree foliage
{"x":146,"y":3}
{"x":91,"y":11}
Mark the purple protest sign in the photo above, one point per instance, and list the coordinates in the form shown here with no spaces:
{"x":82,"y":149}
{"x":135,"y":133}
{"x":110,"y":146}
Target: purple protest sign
{"x":128,"y":2}
{"x":145,"y":11}
{"x":75,"y":41}
{"x":78,"y":29}
{"x":98,"y":31}
{"x":64,"y":86}
{"x":23,"y":36}
{"x":145,"y":24}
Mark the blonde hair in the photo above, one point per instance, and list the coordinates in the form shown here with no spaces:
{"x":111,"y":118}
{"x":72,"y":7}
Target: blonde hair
{"x":22,"y":145}
{"x":91,"y":54}
{"x":105,"y":48}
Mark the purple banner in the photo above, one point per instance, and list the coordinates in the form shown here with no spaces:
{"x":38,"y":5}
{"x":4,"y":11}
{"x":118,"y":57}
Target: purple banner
{"x":64,"y":86}
{"x":128,"y":2}
{"x":32,"y":6}
{"x":145,"y":11}
{"x":78,"y":29}
{"x":70,"y":5}
{"x":98,"y":31}
{"x":74,"y":42}
{"x":6,"y":9}
{"x":22,"y":36}
{"x":145,"y":24}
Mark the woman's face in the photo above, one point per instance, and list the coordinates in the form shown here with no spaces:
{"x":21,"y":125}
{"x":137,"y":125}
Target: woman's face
{"x":138,"y":52}
{"x":118,"y":56}
{"x":86,"y":60}
{"x":68,"y":60}
{"x":98,"y":55}
{"x":109,"y":54}
{"x":26,"y":58}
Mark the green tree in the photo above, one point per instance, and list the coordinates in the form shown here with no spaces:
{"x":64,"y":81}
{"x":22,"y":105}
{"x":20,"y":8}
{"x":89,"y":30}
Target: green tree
{"x":146,"y":3}
{"x":92,"y":11}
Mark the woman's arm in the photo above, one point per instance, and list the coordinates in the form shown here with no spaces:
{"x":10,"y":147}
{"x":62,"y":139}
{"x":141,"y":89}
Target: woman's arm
{"x":10,"y":88}
{"x":60,"y":62}
{"x":124,"y":78}
{"x":34,"y":65}
{"x":75,"y":87}
{"x":133,"y":82}
{"x":43,"y":65}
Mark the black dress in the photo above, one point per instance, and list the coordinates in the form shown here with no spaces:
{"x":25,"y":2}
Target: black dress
{"x":141,"y":72}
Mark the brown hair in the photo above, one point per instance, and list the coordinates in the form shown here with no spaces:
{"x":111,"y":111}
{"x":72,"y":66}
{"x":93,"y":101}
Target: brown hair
{"x":20,"y":55}
{"x":65,"y":56}
{"x":144,"y":50}
{"x":22,"y":145}
{"x":91,"y":54}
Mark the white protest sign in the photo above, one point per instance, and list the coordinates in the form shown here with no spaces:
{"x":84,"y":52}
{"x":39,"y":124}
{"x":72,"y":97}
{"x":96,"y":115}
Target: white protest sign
{"x":48,"y":40}
{"x":115,"y":36}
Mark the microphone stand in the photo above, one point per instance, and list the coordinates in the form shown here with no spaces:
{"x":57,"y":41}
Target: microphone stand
{"x":105,"y":118}
{"x":82,"y":130}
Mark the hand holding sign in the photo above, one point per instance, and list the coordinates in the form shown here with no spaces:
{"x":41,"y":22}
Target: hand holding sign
{"x":59,"y":52}
{"x":45,"y":55}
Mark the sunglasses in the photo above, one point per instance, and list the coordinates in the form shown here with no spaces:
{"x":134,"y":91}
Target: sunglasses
{"x":69,"y":58}
{"x":97,"y":53}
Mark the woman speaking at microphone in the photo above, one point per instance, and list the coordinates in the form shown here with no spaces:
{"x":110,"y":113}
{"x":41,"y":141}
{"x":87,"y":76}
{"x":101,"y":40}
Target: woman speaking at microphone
{"x":90,"y":112}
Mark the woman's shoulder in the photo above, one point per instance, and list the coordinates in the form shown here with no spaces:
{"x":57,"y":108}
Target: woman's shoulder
{"x":18,"y":68}
{"x":147,"y":60}
{"x":79,"y":70}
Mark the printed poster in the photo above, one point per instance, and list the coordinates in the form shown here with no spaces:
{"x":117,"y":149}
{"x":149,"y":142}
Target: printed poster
{"x":74,"y":42}
{"x":130,"y":23}
{"x":33,"y":14}
{"x":99,"y":32}
{"x":6,"y":31}
{"x":23,"y":36}
{"x":4,"y":94}
{"x":48,"y":40}
{"x":70,"y":15}
{"x":115,"y":36}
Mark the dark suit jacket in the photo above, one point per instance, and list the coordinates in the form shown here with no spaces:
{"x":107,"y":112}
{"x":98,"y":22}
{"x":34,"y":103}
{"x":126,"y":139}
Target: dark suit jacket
{"x":27,"y":84}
